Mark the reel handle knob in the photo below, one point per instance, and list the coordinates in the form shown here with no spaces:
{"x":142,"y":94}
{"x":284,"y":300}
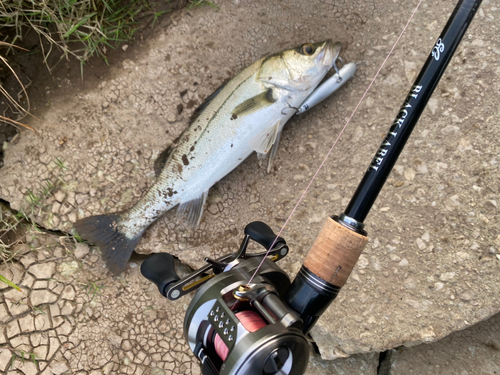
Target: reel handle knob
{"x":262,"y":233}
{"x":159,"y":269}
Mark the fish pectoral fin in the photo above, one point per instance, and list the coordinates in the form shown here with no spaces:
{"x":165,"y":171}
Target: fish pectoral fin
{"x":162,"y":159}
{"x":253,"y":104}
{"x":273,"y":152}
{"x":192,"y":211}
{"x":263,"y":142}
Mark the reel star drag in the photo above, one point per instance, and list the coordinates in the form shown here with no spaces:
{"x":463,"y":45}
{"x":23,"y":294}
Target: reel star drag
{"x":247,"y":318}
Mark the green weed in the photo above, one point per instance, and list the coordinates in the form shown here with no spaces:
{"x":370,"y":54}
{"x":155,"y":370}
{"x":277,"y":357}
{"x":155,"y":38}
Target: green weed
{"x":20,"y":353}
{"x":92,"y":288}
{"x":36,"y":200}
{"x":59,"y":163}
{"x":77,"y":238}
{"x":199,"y":3}
{"x":11,"y":225}
{"x":28,"y":303}
{"x":9,"y":283}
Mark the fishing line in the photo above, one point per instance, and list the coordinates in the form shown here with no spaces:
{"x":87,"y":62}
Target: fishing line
{"x":336,"y":141}
{"x":250,"y":320}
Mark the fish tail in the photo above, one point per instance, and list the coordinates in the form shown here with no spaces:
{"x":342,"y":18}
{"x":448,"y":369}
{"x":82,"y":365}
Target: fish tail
{"x":104,"y":231}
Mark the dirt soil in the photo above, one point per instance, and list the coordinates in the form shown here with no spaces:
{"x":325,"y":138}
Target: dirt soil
{"x":44,"y":77}
{"x":432,"y":266}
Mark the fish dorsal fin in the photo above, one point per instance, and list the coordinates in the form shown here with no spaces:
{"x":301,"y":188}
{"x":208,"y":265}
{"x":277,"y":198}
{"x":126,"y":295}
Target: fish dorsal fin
{"x":162,"y":159}
{"x":192,"y":211}
{"x":205,"y":103}
{"x":253,"y":104}
{"x":263,"y":142}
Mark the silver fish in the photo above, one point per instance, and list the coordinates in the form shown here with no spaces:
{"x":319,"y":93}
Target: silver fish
{"x":246,"y":114}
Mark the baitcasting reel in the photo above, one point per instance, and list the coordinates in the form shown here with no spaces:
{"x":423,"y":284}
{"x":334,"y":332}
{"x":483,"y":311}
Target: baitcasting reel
{"x":237,"y":328}
{"x":232,"y":327}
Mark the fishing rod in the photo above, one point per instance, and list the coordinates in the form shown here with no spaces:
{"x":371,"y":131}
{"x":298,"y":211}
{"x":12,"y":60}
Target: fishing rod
{"x":247,"y":317}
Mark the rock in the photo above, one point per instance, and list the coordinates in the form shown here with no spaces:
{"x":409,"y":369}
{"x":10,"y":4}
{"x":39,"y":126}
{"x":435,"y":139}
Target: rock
{"x":421,"y":244}
{"x":81,"y":250}
{"x":403,"y":263}
{"x":447,"y":276}
{"x":114,"y":339}
{"x":450,"y":130}
{"x":409,"y":174}
{"x":455,"y":199}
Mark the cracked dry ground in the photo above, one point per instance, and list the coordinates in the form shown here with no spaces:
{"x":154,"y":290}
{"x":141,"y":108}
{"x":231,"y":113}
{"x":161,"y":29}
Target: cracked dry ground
{"x":69,"y":320}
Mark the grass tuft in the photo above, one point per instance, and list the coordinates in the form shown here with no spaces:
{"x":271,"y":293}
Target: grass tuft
{"x":14,"y":105}
{"x":79,"y":28}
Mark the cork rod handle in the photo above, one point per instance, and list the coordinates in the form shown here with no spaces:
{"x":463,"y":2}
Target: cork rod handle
{"x":335,"y":253}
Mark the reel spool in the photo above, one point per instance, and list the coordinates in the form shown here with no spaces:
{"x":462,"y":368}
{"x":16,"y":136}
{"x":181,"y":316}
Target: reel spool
{"x":231,"y":327}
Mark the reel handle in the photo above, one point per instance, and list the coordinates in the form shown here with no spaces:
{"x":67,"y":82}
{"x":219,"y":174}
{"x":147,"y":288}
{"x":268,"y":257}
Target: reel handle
{"x":263,"y":234}
{"x":159,"y":268}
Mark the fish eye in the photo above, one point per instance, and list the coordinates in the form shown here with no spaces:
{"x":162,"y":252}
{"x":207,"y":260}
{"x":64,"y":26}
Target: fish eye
{"x":307,"y":49}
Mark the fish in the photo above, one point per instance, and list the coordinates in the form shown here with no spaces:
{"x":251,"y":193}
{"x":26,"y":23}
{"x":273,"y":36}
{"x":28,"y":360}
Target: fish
{"x":244,"y":115}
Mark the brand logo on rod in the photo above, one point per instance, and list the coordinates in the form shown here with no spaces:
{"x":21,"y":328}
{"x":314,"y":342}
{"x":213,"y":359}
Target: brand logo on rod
{"x":394,"y":130}
{"x":438,"y":49}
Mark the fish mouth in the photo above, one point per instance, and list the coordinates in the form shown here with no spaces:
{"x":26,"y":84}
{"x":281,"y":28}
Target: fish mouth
{"x":329,"y":54}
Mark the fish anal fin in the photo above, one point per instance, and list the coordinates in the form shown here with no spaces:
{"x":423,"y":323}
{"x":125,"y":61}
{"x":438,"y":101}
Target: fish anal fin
{"x":205,"y":103}
{"x":192,"y":211}
{"x":162,"y":159}
{"x":253,"y":104}
{"x":263,"y":142}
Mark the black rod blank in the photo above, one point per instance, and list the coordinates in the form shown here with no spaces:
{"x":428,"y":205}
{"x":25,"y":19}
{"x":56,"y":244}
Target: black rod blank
{"x":410,"y":112}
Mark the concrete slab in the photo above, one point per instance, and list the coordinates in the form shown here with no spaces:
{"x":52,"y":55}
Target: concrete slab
{"x":475,"y":350}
